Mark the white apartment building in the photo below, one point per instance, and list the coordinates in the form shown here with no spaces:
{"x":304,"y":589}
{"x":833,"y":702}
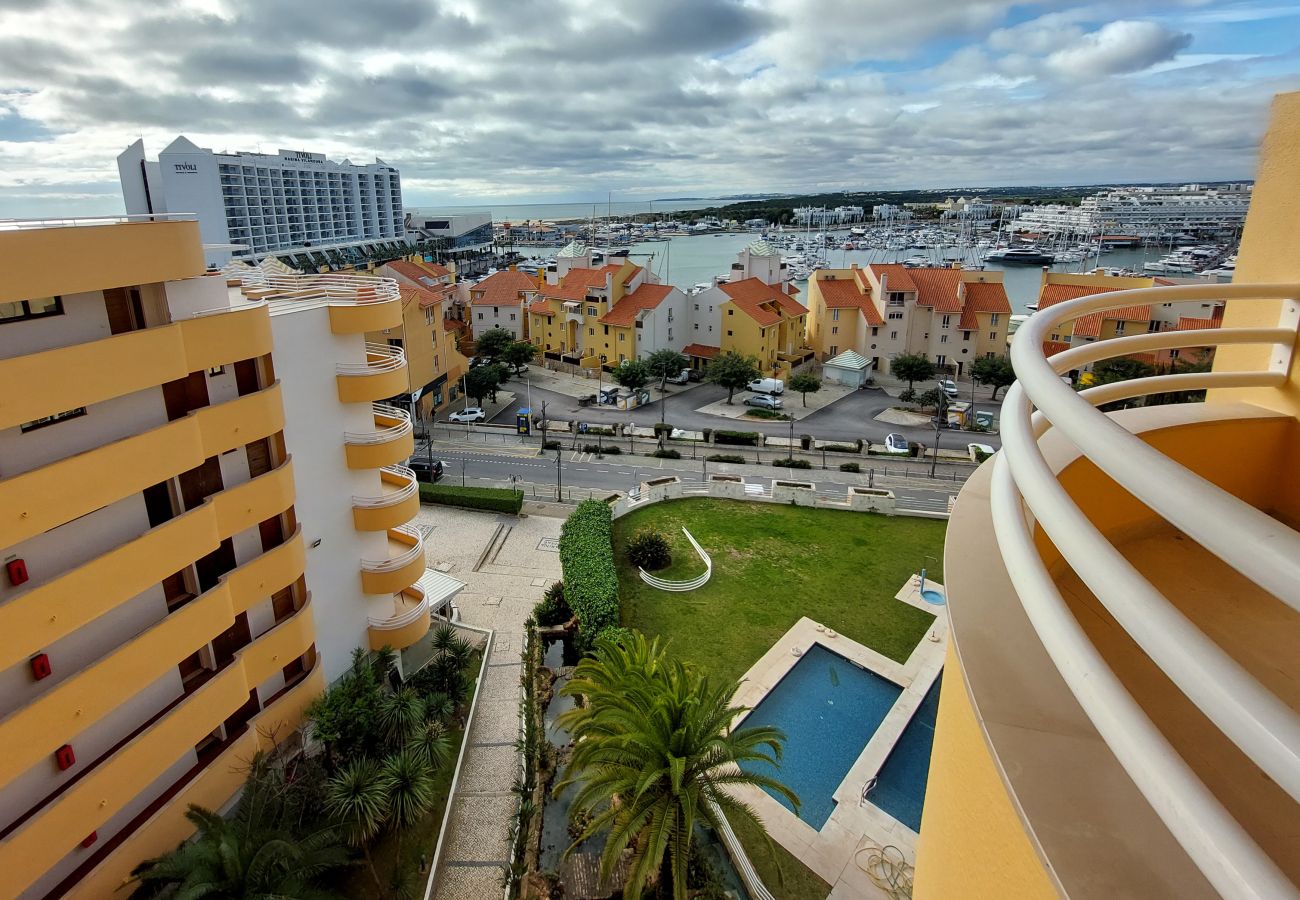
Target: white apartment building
{"x":253,"y":204}
{"x":460,"y":231}
{"x":1146,"y":211}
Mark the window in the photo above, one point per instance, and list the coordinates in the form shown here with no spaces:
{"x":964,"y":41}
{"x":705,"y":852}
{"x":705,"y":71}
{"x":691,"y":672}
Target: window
{"x":1173,"y":354}
{"x":895,"y":298}
{"x":895,"y":315}
{"x":435,"y":362}
{"x":941,"y":360}
{"x":697,"y":326}
{"x":947,"y":321}
{"x":1119,"y":326}
{"x":50,"y":420}
{"x":989,"y":355}
{"x":496,"y":312}
{"x":621,"y":336}
{"x":993,"y":335}
{"x":834,"y":349}
{"x":710,"y":329}
{"x":592,"y":311}
{"x":731,"y":312}
{"x":893,"y":335}
{"x":591,"y":331}
{"x":943,"y":338}
{"x":697,"y":307}
{"x":965,"y":335}
{"x":728,"y":333}
{"x":875,"y":330}
{"x":18,"y":310}
{"x":428,"y":316}
{"x":216,"y":370}
{"x":1056,"y":337}
{"x":995,"y":318}
{"x":835,"y":329}
{"x":480,"y":317}
{"x":835,"y":315}
{"x":927,"y":336}
{"x":512,"y":317}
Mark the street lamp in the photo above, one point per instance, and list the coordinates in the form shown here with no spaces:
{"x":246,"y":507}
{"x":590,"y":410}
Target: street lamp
{"x":938,"y":423}
{"x":558,"y":485}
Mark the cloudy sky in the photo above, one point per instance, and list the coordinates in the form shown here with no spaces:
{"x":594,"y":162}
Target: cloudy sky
{"x":557,"y":100}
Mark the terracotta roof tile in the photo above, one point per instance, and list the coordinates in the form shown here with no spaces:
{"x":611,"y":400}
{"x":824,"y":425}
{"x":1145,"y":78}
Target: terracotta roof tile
{"x":427,"y":274}
{"x":1190,"y":323}
{"x":983,"y":297}
{"x":1051,"y":348}
{"x":647,"y":296}
{"x":898,"y":277}
{"x":425,"y":297}
{"x":760,"y":300}
{"x":502,"y":289}
{"x":1052,"y":294}
{"x":1088,"y":326}
{"x":542,"y":307}
{"x":937,"y":288}
{"x":843,"y":294}
{"x":701,"y":351}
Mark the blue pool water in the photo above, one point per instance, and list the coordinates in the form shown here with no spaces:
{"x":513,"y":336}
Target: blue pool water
{"x":929,"y":595}
{"x":900,"y":784}
{"x":828,"y":709}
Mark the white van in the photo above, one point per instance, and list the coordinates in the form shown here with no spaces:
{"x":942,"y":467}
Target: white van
{"x":767,"y":386}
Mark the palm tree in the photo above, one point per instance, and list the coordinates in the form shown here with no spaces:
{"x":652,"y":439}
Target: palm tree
{"x":401,"y":715}
{"x":357,"y":799}
{"x":654,"y":754}
{"x":228,"y":858}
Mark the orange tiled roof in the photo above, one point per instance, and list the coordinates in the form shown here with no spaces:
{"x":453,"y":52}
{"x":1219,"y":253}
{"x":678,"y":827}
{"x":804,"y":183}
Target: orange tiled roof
{"x":647,"y":296}
{"x":756,"y":298}
{"x":898,"y":277}
{"x":790,"y":288}
{"x":843,"y":294}
{"x":1052,"y":294}
{"x":937,"y":288}
{"x":502,"y":289}
{"x":1051,"y":348}
{"x":1191,"y":323}
{"x":702,"y":351}
{"x":1090,"y":325}
{"x":425,"y":297}
{"x":983,"y":297}
{"x":423,"y":273}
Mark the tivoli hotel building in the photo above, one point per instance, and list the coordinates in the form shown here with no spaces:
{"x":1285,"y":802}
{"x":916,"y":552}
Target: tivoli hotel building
{"x":202,"y":515}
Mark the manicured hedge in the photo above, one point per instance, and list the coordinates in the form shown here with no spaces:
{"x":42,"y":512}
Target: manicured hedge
{"x":725,"y":458}
{"x":494,"y":499}
{"x":587,"y":558}
{"x":791,"y":463}
{"x":667,"y":454}
{"x":850,"y":467}
{"x":748,"y":438}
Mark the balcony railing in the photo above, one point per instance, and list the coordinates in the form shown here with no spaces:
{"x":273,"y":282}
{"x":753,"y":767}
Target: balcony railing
{"x":91,"y":221}
{"x":331,"y":289}
{"x":405,"y":536}
{"x":391,"y":423}
{"x":380,"y":358}
{"x":405,"y":486}
{"x":1026,"y":495}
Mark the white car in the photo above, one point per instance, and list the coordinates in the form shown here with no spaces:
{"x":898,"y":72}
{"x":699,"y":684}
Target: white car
{"x":764,"y":401}
{"x":896,"y":443}
{"x":949,"y":387}
{"x":468,"y":415}
{"x":767,"y":386}
{"x":681,"y":377}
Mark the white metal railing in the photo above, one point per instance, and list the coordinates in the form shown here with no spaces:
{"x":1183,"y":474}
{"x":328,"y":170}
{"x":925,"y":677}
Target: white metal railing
{"x":404,"y":618}
{"x":382,"y":434}
{"x":689,"y":584}
{"x":90,"y":221}
{"x":753,"y":883}
{"x":393,"y":497}
{"x":379,"y":358}
{"x":393,"y":563}
{"x":332,"y":289}
{"x":1026,"y":492}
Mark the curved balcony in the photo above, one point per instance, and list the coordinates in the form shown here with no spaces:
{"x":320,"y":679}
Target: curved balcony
{"x":396,"y":505}
{"x":101,"y":791}
{"x":400,"y":569}
{"x":391,"y":441}
{"x":32,"y":732}
{"x":399,"y":621}
{"x":357,"y":303}
{"x":383,"y":374}
{"x":1140,"y":564}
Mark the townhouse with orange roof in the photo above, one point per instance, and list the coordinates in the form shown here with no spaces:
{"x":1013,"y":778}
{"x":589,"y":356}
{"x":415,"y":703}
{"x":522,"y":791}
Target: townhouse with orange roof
{"x":501,"y":301}
{"x":951,"y":315}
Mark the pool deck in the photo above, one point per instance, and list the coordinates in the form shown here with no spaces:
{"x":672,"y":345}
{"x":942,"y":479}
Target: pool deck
{"x":853,"y":825}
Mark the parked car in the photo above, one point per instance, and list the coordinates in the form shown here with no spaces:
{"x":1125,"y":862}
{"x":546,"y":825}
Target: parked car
{"x":587,"y":400}
{"x":695,"y":374}
{"x":681,"y":377}
{"x":468,"y":415}
{"x":896,"y":443}
{"x":949,"y":387}
{"x":519,"y":370}
{"x":426,"y":469}
{"x":764,"y":401}
{"x":767,"y":386}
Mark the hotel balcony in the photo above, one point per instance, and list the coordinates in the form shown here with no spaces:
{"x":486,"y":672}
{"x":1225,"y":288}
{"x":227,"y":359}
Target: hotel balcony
{"x":396,"y":504}
{"x":390,"y":442}
{"x":1119,"y":715}
{"x":400,"y":569}
{"x":357,"y":303}
{"x":383,"y":374}
{"x":400,"y":620}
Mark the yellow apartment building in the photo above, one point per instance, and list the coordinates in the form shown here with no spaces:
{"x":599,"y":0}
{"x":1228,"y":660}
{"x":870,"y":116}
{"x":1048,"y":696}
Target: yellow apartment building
{"x":434,"y":364}
{"x":156,"y":422}
{"x":1119,"y":711}
{"x":761,"y":320}
{"x":950,"y":315}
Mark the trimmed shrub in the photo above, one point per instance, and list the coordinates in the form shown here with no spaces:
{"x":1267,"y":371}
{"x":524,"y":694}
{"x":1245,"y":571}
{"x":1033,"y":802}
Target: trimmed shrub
{"x":725,"y":457}
{"x":649,"y":550}
{"x":742,"y":438}
{"x":850,"y":467}
{"x":667,"y":454}
{"x":493,"y":499}
{"x":791,"y":463}
{"x":841,"y":448}
{"x":663,"y":428}
{"x":587,"y":558}
{"x":552,"y":608}
{"x":615,"y":633}
{"x":610,"y":449}
{"x":907,"y":395}
{"x":980,"y":455}
{"x":599,"y":429}
{"x":760,"y":413}
{"x":551,"y":445}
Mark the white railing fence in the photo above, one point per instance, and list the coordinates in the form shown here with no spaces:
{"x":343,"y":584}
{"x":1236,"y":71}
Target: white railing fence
{"x":1026,"y":493}
{"x":398,"y":561}
{"x":379,"y":358}
{"x":382,"y":433}
{"x":409,"y":486}
{"x":690,"y":584}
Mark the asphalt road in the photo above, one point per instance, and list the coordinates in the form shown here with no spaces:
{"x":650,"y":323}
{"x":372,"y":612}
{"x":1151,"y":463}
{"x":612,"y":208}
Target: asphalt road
{"x":849,"y":418}
{"x":580,"y":473}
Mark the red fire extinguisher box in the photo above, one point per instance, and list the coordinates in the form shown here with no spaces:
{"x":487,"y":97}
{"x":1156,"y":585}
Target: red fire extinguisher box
{"x":16,"y":569}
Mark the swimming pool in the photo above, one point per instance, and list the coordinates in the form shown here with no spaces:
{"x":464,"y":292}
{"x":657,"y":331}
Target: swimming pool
{"x":900,"y":784}
{"x":829,"y":709}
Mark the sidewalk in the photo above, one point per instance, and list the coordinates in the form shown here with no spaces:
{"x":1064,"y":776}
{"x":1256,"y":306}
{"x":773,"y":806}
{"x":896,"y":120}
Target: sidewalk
{"x":792,"y":402}
{"x":582,"y":385}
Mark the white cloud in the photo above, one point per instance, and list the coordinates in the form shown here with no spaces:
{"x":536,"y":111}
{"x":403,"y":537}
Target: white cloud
{"x":1117,"y":48}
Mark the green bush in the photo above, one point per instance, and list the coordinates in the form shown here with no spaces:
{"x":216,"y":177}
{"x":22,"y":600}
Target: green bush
{"x":744,"y":438}
{"x":850,"y":467}
{"x":663,"y":428}
{"x":649,"y":550}
{"x":980,"y":455}
{"x":725,"y":457}
{"x":760,"y":413}
{"x":615,"y":633}
{"x":493,"y":499}
{"x":667,"y":454}
{"x":599,"y":429}
{"x":610,"y":449}
{"x":907,"y":395}
{"x":791,"y":463}
{"x":841,"y":448}
{"x":551,"y":445}
{"x":587,"y":558}
{"x":552,"y":608}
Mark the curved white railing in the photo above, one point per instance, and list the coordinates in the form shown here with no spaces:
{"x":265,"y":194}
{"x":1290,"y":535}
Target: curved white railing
{"x":1026,"y":493}
{"x":330,"y":288}
{"x":404,"y":618}
{"x":395,"y":496}
{"x":753,"y":883}
{"x":401,"y":560}
{"x":689,"y":585}
{"x":384,"y":434}
{"x":90,"y":221}
{"x":379,"y":358}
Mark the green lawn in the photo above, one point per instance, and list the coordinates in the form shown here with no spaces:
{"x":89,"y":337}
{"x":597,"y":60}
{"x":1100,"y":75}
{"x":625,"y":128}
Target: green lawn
{"x":771,"y":565}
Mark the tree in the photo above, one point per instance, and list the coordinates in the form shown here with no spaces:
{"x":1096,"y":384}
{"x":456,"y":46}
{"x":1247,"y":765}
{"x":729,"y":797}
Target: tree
{"x":520,"y":353}
{"x":632,"y":374}
{"x":912,"y":367}
{"x":357,"y":800}
{"x":995,"y":371}
{"x":805,"y":383}
{"x":733,"y":371}
{"x":493,"y":343}
{"x":662,"y":364}
{"x":483,"y":381}
{"x":654,"y":754}
{"x":1124,"y":368}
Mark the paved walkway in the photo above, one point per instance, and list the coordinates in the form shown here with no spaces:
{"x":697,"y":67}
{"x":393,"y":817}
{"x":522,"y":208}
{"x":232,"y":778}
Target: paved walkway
{"x":499,"y":595}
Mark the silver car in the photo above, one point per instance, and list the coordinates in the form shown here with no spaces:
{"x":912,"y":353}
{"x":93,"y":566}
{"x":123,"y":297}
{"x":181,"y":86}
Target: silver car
{"x":764,"y":401}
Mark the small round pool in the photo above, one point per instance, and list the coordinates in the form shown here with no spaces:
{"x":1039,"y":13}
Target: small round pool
{"x":930,"y":595}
